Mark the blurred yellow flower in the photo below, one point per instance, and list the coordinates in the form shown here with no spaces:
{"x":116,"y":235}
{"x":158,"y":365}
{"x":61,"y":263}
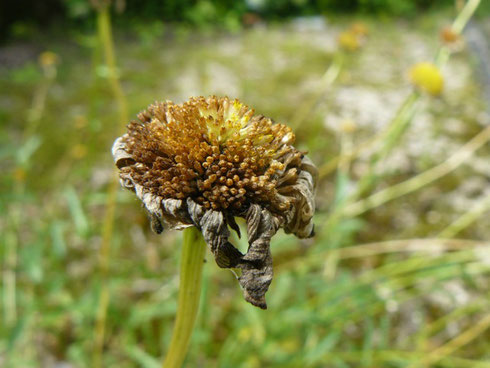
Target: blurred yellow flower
{"x":245,"y":334}
{"x":81,"y":122}
{"x":19,"y":175}
{"x":348,"y":126}
{"x":349,"y":41}
{"x":427,"y":77}
{"x":79,"y":151}
{"x":359,"y":28}
{"x":253,"y":362}
{"x":290,"y":345}
{"x":48,"y":58}
{"x":48,"y":61}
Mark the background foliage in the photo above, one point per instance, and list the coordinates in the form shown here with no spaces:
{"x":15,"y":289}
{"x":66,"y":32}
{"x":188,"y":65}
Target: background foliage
{"x":403,"y":283}
{"x":16,"y":15}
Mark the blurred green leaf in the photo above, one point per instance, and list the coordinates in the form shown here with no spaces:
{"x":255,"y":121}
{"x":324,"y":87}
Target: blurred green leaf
{"x":77,"y":212}
{"x":57,"y":236}
{"x":142,"y":358}
{"x":32,"y":261}
{"x":29,"y":74}
{"x":27,"y":150}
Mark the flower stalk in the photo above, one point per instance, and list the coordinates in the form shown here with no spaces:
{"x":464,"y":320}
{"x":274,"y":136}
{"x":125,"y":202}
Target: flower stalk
{"x":328,"y":78}
{"x":104,"y":32}
{"x":198,"y":165}
{"x":193,"y":250}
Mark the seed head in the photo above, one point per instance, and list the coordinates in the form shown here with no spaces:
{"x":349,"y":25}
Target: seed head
{"x":208,"y":160}
{"x":449,"y":36}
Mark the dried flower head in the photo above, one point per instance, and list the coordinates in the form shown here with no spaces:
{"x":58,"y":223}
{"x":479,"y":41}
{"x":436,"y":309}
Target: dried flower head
{"x":206,"y":161}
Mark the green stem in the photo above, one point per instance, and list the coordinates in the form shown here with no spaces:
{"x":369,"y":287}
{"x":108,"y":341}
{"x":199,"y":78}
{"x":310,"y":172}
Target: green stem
{"x":104,"y":31}
{"x":193,"y":250}
{"x":454,"y":344}
{"x":421,"y":180}
{"x":466,"y":219}
{"x":327,"y":80}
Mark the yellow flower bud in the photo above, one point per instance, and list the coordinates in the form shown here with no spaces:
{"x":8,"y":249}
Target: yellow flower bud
{"x":360,"y":29}
{"x":348,"y":126}
{"x":427,"y":77}
{"x":48,"y":58}
{"x":79,"y":151}
{"x":19,"y":175}
{"x":349,"y":41}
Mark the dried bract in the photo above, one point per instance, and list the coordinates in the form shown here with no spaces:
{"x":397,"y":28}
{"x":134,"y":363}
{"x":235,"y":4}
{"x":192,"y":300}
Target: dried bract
{"x":206,"y":161}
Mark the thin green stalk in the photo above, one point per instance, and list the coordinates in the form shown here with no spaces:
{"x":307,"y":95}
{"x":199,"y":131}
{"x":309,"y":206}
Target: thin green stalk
{"x":12,"y":244}
{"x":332,"y":260}
{"x":39,"y":101}
{"x":385,"y":247}
{"x":105,"y":36}
{"x":342,"y":307}
{"x":421,"y":180}
{"x":332,"y":164}
{"x":386,"y":356}
{"x":327,"y":79}
{"x":463,"y":312}
{"x":464,"y":16}
{"x":389,"y":135}
{"x":193,"y":250}
{"x":457,"y":27}
{"x":454,"y":344}
{"x":466,"y":219}
{"x":9,"y":279}
{"x":107,"y":44}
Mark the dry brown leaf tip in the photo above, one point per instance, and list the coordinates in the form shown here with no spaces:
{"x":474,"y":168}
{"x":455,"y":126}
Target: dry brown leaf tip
{"x":208,"y":160}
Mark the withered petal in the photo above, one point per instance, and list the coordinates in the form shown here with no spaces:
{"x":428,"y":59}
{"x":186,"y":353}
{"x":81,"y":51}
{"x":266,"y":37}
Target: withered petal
{"x":230,"y":219}
{"x":256,"y":264}
{"x":155,"y":223}
{"x":122,"y":158}
{"x":299,"y":220}
{"x":215,"y":233}
{"x":174,"y":214}
{"x":214,"y":229}
{"x":171,"y":213}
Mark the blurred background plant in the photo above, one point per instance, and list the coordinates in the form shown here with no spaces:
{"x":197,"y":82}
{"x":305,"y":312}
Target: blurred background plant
{"x":398,"y":275}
